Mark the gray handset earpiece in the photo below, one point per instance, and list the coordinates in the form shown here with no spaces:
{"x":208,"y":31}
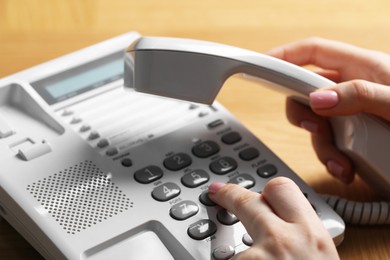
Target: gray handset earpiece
{"x":196,"y":70}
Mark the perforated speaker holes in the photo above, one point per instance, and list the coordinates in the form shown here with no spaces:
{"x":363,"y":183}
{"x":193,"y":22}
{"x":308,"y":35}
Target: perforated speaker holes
{"x":80,"y":196}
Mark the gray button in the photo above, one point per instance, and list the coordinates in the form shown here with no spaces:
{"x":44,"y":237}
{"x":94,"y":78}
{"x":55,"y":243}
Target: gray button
{"x":177,"y":161}
{"x":267,"y":170}
{"x":85,"y":128}
{"x":195,"y":178}
{"x":231,"y":138}
{"x":112,"y":151}
{"x":215,"y":123}
{"x":202,"y":229}
{"x":223,"y":252}
{"x":204,"y":198}
{"x":247,"y":240}
{"x":244,"y":180}
{"x":103,"y":143}
{"x":226,"y":218}
{"x":75,"y":120}
{"x":223,"y":165}
{"x":249,"y":153}
{"x":67,"y":112}
{"x":148,"y":174}
{"x":93,"y":135}
{"x":184,"y":210}
{"x":166,"y":191}
{"x":205,"y":149}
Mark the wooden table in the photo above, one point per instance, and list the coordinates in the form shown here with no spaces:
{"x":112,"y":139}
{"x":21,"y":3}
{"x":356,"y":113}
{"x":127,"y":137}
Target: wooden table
{"x":37,"y":30}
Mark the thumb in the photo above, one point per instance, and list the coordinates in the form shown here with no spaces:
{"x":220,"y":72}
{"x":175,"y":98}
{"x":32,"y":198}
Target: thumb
{"x":352,"y":97}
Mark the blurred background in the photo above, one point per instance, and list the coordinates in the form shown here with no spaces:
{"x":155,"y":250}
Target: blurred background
{"x":34,"y":31}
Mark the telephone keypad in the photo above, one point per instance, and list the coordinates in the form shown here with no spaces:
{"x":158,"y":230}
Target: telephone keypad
{"x":191,"y":179}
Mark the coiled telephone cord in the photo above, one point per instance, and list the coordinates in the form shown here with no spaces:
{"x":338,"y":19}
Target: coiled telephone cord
{"x":360,"y":213}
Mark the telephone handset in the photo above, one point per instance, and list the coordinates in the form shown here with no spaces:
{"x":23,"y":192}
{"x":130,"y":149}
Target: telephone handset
{"x":196,"y":70}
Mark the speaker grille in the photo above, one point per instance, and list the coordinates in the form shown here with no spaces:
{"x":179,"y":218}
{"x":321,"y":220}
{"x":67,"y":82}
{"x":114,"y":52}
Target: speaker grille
{"x":80,"y":196}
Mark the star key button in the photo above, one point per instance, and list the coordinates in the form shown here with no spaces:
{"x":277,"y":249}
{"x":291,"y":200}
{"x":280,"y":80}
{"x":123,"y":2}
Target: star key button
{"x":201,"y":229}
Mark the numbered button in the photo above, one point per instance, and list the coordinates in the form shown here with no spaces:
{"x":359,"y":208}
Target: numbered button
{"x":177,"y":162}
{"x":223,"y":165}
{"x":267,"y":170}
{"x":205,"y":199}
{"x":205,"y":149}
{"x":184,"y":210}
{"x":202,"y":229}
{"x":195,"y":178}
{"x":166,"y":191}
{"x":244,"y":180}
{"x":148,"y":174}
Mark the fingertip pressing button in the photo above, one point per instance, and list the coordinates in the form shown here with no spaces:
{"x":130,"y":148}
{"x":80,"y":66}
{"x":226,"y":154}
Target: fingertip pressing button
{"x":247,"y":239}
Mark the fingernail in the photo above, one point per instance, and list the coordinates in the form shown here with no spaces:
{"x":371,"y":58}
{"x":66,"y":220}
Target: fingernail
{"x":323,"y":99}
{"x":309,"y":126}
{"x":336,"y":169}
{"x":215,"y":187}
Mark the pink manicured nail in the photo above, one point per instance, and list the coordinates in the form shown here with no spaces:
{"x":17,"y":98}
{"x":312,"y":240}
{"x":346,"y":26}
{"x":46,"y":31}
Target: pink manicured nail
{"x":309,"y":126}
{"x":215,"y":186}
{"x":323,"y":99}
{"x":335,"y":168}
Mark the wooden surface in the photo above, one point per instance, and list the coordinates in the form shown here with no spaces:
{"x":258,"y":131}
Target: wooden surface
{"x":35,"y":31}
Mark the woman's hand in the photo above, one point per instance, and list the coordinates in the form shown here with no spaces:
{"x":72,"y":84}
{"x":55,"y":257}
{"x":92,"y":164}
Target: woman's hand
{"x":280,"y":220}
{"x":363,"y":78}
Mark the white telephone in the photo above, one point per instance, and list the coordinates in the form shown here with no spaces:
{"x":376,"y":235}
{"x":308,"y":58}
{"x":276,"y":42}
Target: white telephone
{"x":93,"y":170}
{"x":196,"y":70}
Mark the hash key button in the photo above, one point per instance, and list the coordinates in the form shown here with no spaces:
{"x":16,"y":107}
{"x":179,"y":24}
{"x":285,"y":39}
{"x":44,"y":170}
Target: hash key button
{"x":202,"y":229}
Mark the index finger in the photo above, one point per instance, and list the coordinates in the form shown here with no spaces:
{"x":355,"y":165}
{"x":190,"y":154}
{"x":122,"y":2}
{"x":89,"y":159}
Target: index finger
{"x":248,"y":206}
